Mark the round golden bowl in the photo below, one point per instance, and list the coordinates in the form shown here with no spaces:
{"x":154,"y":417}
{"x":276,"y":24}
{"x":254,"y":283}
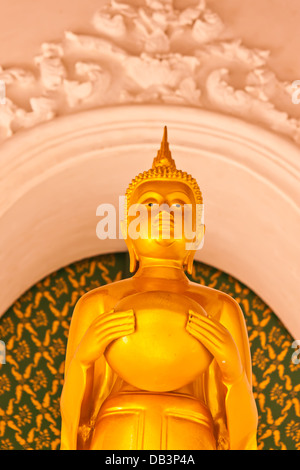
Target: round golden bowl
{"x":160,"y":355}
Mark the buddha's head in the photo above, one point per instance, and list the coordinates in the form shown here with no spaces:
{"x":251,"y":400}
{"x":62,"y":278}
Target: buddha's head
{"x":163,"y":213}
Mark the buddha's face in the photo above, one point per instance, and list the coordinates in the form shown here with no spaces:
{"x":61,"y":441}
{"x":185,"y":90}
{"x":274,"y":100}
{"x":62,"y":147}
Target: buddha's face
{"x":162,"y":219}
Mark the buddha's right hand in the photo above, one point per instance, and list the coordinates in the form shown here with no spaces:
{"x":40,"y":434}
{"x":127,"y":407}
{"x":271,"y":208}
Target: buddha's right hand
{"x":102,"y":331}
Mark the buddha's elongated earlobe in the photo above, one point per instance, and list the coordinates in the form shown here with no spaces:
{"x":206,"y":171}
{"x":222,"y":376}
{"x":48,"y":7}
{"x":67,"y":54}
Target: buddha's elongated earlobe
{"x":188,"y":262}
{"x":132,"y":253}
{"x":132,"y":256}
{"x":189,"y":259}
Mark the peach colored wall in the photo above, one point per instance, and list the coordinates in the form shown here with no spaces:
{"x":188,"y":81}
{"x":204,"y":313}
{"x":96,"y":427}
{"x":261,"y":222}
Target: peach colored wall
{"x":270,"y":24}
{"x":219,"y":74}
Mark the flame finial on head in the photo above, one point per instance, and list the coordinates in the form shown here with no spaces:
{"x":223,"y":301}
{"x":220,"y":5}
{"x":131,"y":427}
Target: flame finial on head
{"x":164,"y":157}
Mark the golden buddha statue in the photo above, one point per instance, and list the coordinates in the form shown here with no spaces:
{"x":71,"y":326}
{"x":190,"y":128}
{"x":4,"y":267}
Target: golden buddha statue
{"x":155,"y":361}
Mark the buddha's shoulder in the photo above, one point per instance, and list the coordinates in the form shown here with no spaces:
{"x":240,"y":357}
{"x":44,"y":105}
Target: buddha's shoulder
{"x":104,"y":297}
{"x":213,"y":300}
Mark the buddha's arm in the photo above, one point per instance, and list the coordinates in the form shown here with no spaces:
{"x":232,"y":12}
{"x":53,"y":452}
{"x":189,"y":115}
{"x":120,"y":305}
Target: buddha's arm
{"x":241,"y":415}
{"x":77,"y":387}
{"x":90,"y":334}
{"x":228,"y":387}
{"x":241,"y":411}
{"x":214,"y":395}
{"x":233,"y":410}
{"x":78,"y":378}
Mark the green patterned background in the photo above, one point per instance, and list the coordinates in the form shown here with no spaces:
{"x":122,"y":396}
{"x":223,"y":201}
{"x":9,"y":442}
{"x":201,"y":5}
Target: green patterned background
{"x":35,"y":330}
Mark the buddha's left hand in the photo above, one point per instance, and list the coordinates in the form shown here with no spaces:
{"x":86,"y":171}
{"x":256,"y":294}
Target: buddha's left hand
{"x":217,"y":339}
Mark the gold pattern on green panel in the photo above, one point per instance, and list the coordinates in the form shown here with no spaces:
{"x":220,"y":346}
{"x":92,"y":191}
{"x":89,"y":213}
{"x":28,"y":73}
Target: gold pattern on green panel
{"x":35,"y":331}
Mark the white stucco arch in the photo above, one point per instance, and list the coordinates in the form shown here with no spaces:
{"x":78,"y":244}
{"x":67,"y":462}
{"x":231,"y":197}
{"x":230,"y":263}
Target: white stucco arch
{"x":53,"y":177}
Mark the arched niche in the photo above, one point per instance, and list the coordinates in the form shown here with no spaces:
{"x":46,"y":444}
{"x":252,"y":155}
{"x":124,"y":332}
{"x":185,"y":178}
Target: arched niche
{"x":55,"y":175}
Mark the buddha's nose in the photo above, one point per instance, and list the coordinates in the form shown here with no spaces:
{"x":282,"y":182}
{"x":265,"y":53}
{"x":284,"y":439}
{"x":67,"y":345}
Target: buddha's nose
{"x":164,"y":216}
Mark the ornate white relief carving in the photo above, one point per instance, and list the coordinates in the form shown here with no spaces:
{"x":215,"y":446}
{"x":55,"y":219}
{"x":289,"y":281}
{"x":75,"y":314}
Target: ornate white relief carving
{"x":252,"y":101}
{"x":15,"y":74}
{"x":154,"y":53}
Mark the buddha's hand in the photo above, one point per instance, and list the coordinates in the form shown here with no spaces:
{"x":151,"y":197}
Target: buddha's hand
{"x":219,"y":342}
{"x":102,"y":331}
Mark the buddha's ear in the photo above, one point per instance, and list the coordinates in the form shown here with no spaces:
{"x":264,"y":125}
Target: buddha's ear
{"x":132,"y":256}
{"x":132,"y":253}
{"x":200,"y":237}
{"x":189,"y":260}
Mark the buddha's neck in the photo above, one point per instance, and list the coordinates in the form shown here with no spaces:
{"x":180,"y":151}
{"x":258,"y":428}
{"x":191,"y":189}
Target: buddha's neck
{"x":161,"y":269}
